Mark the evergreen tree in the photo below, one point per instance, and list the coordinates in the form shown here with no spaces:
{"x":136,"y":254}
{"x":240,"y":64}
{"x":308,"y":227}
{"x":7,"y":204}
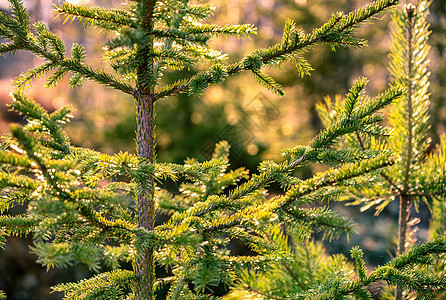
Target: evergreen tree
{"x":419,"y":174}
{"x":87,"y":207}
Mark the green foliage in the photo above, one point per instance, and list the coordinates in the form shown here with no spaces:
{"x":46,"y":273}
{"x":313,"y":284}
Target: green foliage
{"x":305,"y":272}
{"x":107,"y":285}
{"x":72,"y":187}
{"x":84,"y":206}
{"x":417,"y":174}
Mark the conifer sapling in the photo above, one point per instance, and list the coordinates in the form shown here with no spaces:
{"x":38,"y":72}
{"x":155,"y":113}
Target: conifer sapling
{"x":88,"y":207}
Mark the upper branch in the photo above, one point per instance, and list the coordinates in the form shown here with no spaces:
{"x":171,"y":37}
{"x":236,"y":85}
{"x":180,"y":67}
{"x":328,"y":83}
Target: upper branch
{"x":337,"y":31}
{"x":103,"y":17}
{"x":51,"y":48}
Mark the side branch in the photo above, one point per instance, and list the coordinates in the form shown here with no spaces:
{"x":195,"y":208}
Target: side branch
{"x":325,"y":34}
{"x":95,"y":15}
{"x":305,"y":189}
{"x":64,"y":64}
{"x":97,"y":75}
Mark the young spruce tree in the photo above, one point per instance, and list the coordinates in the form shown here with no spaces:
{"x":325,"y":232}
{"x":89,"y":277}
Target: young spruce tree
{"x":418,"y":175}
{"x":92,"y":208}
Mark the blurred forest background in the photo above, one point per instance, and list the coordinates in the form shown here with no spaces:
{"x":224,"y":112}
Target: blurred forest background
{"x":256,"y":122}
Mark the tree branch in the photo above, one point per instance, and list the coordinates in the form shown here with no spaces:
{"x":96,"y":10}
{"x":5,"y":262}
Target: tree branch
{"x":309,"y":41}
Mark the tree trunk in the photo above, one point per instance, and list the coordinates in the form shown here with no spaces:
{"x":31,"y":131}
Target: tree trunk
{"x":145,"y":265}
{"x":402,"y":230}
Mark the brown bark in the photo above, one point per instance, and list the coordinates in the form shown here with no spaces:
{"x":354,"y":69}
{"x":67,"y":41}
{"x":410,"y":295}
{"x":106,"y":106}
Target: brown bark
{"x":402,"y":230}
{"x":145,"y":265}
